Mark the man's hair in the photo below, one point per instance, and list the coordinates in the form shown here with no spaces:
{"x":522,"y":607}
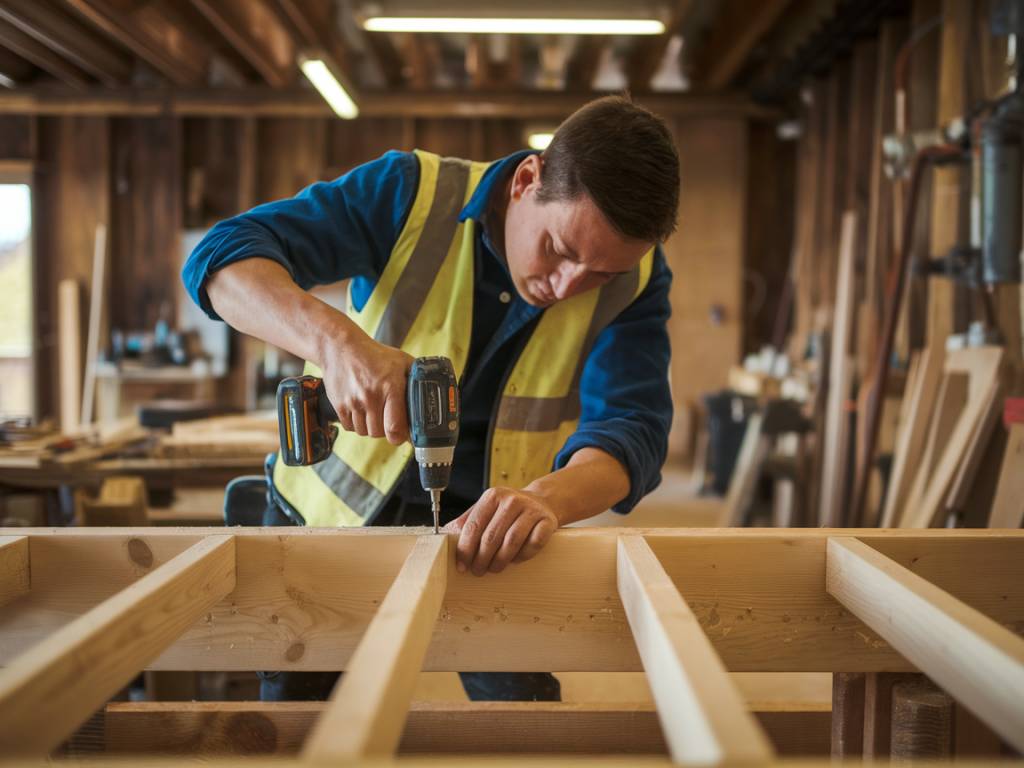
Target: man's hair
{"x":621,"y":156}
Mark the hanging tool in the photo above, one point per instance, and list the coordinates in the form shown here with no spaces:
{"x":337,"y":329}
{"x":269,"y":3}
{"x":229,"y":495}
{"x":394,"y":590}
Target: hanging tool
{"x":306,"y":422}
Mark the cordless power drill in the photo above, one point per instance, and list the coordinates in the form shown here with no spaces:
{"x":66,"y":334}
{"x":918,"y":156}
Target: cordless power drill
{"x":306,"y":419}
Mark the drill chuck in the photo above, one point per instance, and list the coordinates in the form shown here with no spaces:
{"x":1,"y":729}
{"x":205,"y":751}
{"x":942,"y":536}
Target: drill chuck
{"x":435,"y":467}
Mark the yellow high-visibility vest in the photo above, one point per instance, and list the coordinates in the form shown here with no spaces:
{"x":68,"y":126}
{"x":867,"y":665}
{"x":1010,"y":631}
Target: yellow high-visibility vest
{"x":423,"y":304}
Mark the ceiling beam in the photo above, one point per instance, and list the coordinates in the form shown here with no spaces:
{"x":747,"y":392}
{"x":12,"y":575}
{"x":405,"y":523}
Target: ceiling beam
{"x":312,"y":25}
{"x":254,"y":30}
{"x":649,"y":51}
{"x":30,"y":49}
{"x":66,"y":36}
{"x":14,"y":70}
{"x":740,"y":27}
{"x":152,"y":33}
{"x":303,"y":103}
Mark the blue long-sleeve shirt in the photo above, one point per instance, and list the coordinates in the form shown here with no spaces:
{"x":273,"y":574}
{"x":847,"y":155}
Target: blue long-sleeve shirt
{"x":348,"y":227}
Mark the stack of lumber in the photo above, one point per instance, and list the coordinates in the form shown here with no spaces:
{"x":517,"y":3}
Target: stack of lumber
{"x":250,"y":434}
{"x":39,"y":447}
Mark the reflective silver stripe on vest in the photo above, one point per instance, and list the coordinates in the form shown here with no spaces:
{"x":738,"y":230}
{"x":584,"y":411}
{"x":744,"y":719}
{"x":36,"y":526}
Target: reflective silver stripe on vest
{"x":359,"y":494}
{"x":414,"y":283}
{"x":407,"y":300}
{"x":545,"y":414}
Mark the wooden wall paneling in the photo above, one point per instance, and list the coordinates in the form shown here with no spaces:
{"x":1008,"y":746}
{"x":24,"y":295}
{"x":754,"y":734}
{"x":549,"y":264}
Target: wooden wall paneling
{"x":921,"y":114}
{"x":502,"y":137}
{"x":950,"y":199}
{"x":923,"y":622}
{"x":833,"y":181}
{"x":292,"y":156}
{"x":354,"y":142}
{"x":706,"y":254}
{"x":17,"y":137}
{"x":56,"y":685}
{"x":771,"y":192}
{"x":146,"y":222}
{"x":451,"y":137}
{"x":702,"y":714}
{"x":71,"y":196}
{"x":879,"y":244}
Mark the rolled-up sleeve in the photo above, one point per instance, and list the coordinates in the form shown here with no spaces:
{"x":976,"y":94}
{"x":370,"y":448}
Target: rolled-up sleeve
{"x":624,"y":390}
{"x":328,"y":232}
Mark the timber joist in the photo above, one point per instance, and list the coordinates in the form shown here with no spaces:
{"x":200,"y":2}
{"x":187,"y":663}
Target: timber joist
{"x":82,"y":611}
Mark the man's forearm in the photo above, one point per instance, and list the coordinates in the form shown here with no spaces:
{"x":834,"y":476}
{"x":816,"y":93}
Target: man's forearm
{"x":258,"y":297}
{"x":589,"y":484}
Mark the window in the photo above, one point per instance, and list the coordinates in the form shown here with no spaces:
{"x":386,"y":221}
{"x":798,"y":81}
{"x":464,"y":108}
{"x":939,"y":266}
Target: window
{"x":17,"y":393}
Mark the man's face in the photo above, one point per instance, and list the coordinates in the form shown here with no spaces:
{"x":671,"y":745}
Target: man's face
{"x":558,"y":249}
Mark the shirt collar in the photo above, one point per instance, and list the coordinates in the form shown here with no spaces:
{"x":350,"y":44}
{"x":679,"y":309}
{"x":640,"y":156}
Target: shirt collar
{"x":496,"y":172}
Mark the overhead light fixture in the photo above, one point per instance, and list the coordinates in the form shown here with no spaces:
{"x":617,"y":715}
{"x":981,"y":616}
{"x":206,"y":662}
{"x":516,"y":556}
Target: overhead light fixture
{"x":326,"y":82}
{"x":513,"y":26}
{"x":539,"y":140}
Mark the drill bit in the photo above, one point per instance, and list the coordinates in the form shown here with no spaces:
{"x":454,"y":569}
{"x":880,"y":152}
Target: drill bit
{"x":435,"y":506}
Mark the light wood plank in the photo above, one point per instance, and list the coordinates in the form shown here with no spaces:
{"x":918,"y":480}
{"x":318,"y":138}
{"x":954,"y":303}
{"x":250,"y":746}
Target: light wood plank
{"x":368,"y":707}
{"x":913,"y":430}
{"x":53,"y":687}
{"x":745,"y":474}
{"x":14,"y":568}
{"x":305,"y":597}
{"x":835,"y":472}
{"x":975,"y":659}
{"x":703,"y":716}
{"x":982,"y":365}
{"x":1008,"y":506}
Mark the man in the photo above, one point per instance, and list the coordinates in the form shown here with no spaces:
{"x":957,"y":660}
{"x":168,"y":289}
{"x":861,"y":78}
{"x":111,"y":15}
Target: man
{"x":539,"y":275}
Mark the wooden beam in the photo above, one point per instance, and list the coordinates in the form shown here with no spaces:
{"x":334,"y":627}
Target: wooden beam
{"x":152,"y":33}
{"x":14,"y":568}
{"x":733,"y":38}
{"x":386,"y":57}
{"x":255,"y":31}
{"x":971,"y":656}
{"x":266,"y":102}
{"x":982,"y":366}
{"x":1008,"y":507}
{"x":648,"y":52}
{"x":52,"y":688}
{"x":369,"y":705}
{"x":68,"y":38}
{"x":702,"y":713}
{"x":560,"y":612}
{"x":30,"y":49}
{"x":482,"y":727}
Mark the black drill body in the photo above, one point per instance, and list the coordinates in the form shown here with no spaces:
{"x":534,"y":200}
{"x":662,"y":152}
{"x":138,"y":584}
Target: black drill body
{"x":306,"y":422}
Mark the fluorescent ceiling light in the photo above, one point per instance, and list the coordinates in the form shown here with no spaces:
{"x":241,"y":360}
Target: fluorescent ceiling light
{"x":539,"y":140}
{"x":513,"y":26}
{"x":320,"y":75}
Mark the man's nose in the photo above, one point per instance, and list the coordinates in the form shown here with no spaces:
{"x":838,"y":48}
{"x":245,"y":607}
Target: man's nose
{"x":568,"y":278}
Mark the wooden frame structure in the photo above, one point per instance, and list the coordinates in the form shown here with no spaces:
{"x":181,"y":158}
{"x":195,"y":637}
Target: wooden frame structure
{"x":82,"y":611}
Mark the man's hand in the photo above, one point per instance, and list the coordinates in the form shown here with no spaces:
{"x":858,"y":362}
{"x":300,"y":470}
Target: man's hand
{"x":366,"y":384}
{"x":504,"y":526}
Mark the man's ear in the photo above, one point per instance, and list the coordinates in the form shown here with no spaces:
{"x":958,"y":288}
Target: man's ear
{"x":527,"y":176}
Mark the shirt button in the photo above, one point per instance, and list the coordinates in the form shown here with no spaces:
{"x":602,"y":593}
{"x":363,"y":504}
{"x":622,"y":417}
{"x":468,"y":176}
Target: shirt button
{"x":504,"y":297}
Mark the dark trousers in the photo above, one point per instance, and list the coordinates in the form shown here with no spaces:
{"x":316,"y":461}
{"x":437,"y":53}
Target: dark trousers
{"x":480,"y":686}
